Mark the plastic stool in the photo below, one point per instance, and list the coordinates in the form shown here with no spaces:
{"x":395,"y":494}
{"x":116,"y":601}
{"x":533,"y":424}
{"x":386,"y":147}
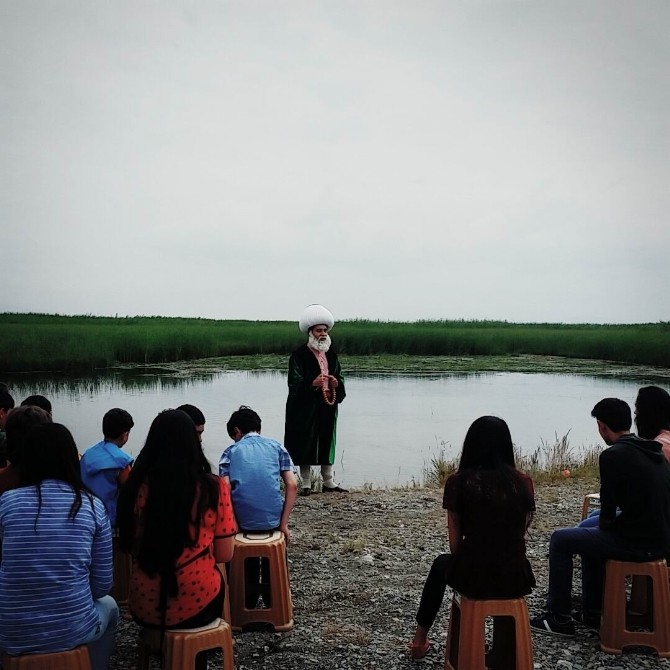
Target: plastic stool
{"x":589,"y":499}
{"x":122,"y":568}
{"x":226,"y":598}
{"x":279,"y":612}
{"x":182,"y":646}
{"x":614,"y":635}
{"x":75,"y":659}
{"x":465,"y":640}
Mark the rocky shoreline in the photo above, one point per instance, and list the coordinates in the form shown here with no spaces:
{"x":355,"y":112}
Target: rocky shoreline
{"x":358,"y":562}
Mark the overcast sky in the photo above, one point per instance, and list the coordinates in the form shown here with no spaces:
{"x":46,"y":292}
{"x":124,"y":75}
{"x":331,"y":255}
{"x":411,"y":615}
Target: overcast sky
{"x":391,"y":160}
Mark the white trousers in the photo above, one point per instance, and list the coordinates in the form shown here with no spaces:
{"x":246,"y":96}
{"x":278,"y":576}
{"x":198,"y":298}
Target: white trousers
{"x":327,"y":474}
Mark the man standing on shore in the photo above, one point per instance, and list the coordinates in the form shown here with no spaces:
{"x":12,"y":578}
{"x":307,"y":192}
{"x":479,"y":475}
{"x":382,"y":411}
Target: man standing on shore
{"x":315,"y":389}
{"x":635,"y":479}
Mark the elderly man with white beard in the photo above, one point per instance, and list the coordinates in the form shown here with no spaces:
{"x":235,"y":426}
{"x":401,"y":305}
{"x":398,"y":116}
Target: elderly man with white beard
{"x":315,"y":389}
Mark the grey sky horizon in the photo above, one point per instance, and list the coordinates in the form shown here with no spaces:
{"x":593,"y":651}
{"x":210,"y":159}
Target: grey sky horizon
{"x":484,"y":159}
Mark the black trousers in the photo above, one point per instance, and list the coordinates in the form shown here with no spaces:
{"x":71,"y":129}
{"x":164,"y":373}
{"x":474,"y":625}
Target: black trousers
{"x":502,"y":655}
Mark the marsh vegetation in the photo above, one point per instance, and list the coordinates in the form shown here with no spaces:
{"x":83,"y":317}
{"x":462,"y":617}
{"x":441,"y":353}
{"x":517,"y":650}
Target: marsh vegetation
{"x":69,"y":343}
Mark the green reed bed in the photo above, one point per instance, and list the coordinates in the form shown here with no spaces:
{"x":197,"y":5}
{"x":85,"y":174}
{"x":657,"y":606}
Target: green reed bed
{"x":54,"y":342}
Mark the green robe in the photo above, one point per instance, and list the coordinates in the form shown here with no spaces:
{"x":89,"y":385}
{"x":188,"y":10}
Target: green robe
{"x":310,"y":428}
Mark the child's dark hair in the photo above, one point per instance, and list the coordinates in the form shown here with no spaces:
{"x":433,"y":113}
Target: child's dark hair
{"x":180,"y":490}
{"x":245,"y":419}
{"x":116,"y":422}
{"x":489,"y":450}
{"x":196,"y":415}
{"x":18,"y":425}
{"x":49,"y":452}
{"x":37,"y":401}
{"x":652,"y":411}
{"x":614,"y":413}
{"x":487,"y":445}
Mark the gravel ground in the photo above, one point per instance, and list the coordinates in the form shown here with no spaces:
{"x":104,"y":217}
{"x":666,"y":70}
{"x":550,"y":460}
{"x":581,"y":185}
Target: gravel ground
{"x":358,"y":562}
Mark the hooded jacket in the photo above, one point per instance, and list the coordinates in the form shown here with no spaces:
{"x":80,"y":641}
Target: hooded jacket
{"x":635,"y":477}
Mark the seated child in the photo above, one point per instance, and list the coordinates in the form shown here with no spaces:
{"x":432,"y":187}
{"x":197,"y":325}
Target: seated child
{"x":197,"y":417}
{"x":57,"y":555}
{"x":176,"y":519}
{"x":18,"y":425}
{"x":254,"y":466}
{"x":38,"y":401}
{"x":489,"y":507}
{"x":104,"y":466}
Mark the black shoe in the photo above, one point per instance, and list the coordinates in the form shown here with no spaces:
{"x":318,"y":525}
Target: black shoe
{"x":587,"y":619}
{"x":551,"y":624}
{"x":305,"y":492}
{"x":333,"y":489}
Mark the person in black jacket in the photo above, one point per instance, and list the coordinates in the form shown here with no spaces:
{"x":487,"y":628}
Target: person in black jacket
{"x":634,"y":479}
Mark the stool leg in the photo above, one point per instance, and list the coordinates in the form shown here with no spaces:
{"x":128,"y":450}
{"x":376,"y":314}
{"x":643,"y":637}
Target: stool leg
{"x":228,"y":659}
{"x":523,"y":641}
{"x":453,"y":636}
{"x":661,"y":615}
{"x":471,"y":650}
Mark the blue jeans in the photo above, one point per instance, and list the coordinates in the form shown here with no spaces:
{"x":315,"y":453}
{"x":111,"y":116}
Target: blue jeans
{"x":595,"y":546}
{"x":591,"y":521}
{"x":101,"y":641}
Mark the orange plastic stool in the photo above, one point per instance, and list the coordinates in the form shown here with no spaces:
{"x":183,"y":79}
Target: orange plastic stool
{"x":182,"y":646}
{"x":122,"y":568}
{"x":75,"y":659}
{"x":589,"y":499}
{"x":279,"y":613}
{"x":614,"y":635}
{"x":226,"y":598}
{"x":466,"y":640}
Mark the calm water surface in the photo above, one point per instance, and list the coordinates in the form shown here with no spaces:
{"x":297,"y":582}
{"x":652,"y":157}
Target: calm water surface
{"x":389,"y":426}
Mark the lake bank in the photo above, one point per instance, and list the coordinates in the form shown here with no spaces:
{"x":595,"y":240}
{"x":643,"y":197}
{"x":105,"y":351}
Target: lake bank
{"x":358,"y":563}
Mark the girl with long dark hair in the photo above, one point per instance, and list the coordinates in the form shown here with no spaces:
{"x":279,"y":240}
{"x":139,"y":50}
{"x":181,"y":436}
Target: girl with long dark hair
{"x":652,"y":416}
{"x":489,"y":506}
{"x":176,"y":519}
{"x":56,"y":555}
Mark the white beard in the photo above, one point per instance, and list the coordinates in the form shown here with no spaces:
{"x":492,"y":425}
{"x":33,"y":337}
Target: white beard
{"x":319,"y":345}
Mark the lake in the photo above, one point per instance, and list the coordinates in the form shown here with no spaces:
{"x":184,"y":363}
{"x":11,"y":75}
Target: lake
{"x":389,"y":425}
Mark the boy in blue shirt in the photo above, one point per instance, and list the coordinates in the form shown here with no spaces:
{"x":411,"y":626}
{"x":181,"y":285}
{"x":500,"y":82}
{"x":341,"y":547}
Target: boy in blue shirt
{"x":104,"y":466}
{"x":253,"y":467}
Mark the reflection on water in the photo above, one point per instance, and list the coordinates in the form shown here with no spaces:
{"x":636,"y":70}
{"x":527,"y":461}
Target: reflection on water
{"x":390,"y":424}
{"x":130,"y":380}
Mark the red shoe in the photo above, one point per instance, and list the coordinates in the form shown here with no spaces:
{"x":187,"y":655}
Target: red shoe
{"x":417,"y":650}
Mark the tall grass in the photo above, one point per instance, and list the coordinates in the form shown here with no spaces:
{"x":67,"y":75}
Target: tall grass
{"x":54,"y":342}
{"x":549,"y":462}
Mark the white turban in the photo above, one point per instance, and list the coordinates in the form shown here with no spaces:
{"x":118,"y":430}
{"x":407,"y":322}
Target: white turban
{"x":315,"y":315}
